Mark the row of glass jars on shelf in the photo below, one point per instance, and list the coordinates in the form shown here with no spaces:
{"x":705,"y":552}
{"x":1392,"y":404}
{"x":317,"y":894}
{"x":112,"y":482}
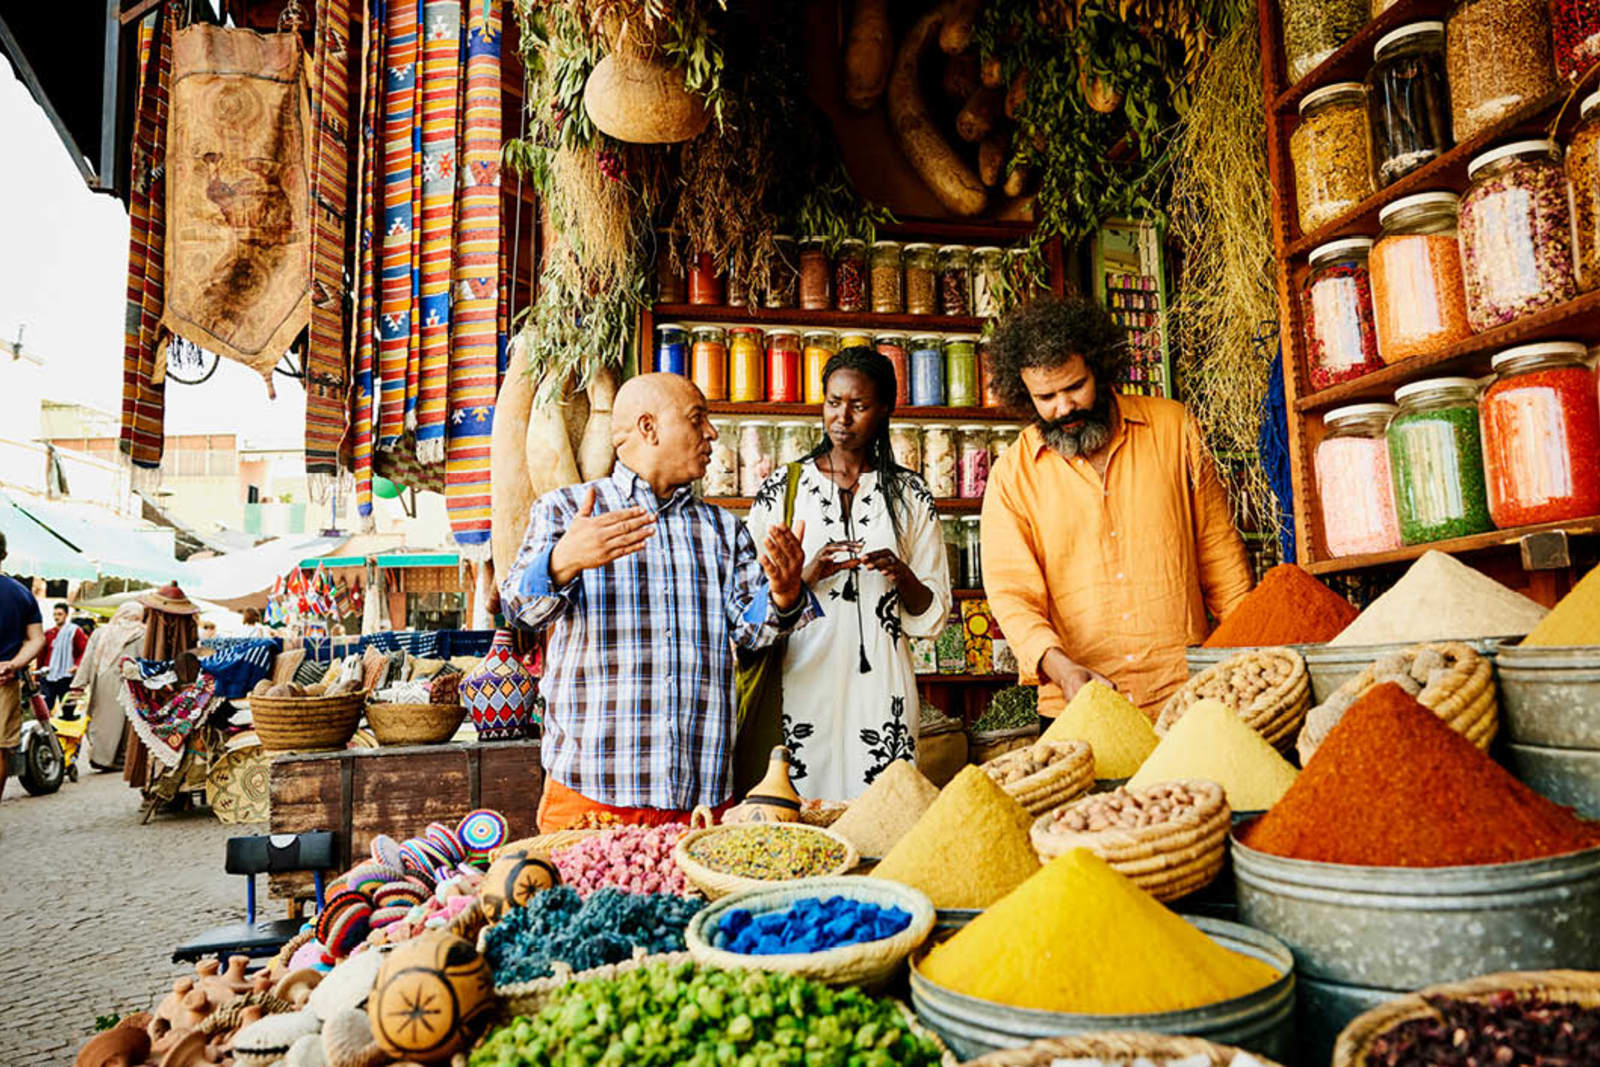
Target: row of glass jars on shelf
{"x":963,"y":545}
{"x":1428,"y":89}
{"x":1449,"y":459}
{"x":746,"y":364}
{"x":886,"y":278}
{"x":954,"y":461}
{"x":1524,"y":237}
{"x":1499,"y":52}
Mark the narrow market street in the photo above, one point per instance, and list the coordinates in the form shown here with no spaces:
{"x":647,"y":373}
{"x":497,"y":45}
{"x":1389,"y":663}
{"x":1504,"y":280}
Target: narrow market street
{"x":91,"y":905}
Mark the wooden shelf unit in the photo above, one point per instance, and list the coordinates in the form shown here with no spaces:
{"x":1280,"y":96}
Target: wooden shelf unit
{"x":1577,"y":319}
{"x":869,"y":322}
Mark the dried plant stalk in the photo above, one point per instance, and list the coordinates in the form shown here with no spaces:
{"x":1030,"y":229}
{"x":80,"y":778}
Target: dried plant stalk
{"x":598,"y":216}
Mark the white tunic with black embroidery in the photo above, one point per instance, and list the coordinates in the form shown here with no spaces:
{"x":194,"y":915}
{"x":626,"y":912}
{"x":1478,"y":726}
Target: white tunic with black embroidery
{"x":844,"y":723}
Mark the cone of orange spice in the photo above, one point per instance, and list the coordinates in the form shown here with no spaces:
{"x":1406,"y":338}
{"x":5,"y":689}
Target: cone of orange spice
{"x":1394,"y":786}
{"x":1289,"y":607}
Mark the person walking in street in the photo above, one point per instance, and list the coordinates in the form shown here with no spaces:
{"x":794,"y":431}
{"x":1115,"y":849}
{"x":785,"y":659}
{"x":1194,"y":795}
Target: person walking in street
{"x":876,"y":557}
{"x":1107,"y":535}
{"x":63,"y":650}
{"x":98,"y":683}
{"x":21,"y":640}
{"x":645,"y":589}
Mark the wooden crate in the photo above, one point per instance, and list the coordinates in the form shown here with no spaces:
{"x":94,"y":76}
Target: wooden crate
{"x":361,"y":793}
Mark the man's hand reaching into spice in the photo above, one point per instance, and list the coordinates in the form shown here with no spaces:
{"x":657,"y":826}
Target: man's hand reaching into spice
{"x":1058,"y":668}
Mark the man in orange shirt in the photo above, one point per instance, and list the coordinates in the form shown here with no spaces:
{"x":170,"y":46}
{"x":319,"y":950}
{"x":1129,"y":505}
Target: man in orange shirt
{"x":1107,"y":535}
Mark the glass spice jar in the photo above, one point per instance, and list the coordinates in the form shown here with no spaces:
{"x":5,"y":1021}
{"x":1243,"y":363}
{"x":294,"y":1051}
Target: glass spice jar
{"x":972,"y":462}
{"x":820,"y":347}
{"x":705,"y":284}
{"x":1314,"y":29}
{"x":1418,"y":301}
{"x":921,"y":289}
{"x":887,"y":298}
{"x":722,"y":469}
{"x":905,"y":439}
{"x":892,"y":346}
{"x":951,"y":531}
{"x":1354,"y":481}
{"x":1001,"y":438}
{"x":1380,"y":6}
{"x":972,"y":551}
{"x":1436,"y":461}
{"x":794,"y":441}
{"x":1575,"y":32}
{"x":746,"y":354}
{"x":988,"y":272}
{"x":961,"y":371}
{"x":1336,"y":303}
{"x":708,"y":361}
{"x":927,"y":371}
{"x":1516,"y":234}
{"x":854,"y":340}
{"x":672,"y":349}
{"x":939,"y":461}
{"x":1497,"y":57}
{"x":816,"y":277}
{"x":1331,"y":151}
{"x":783,"y":273}
{"x":955,"y":280}
{"x":988,"y":383}
{"x":1583,"y":179}
{"x":671,"y":285}
{"x":1541,"y":435}
{"x":850,"y":275}
{"x":757,"y":446}
{"x":1408,"y":104}
{"x":783,"y":366}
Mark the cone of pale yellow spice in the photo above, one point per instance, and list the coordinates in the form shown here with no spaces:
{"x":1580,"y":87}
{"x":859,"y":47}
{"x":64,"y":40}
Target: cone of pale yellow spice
{"x":1574,"y":621}
{"x":1213,"y":743}
{"x":1078,"y":937}
{"x":890,"y":807}
{"x":969,"y":849}
{"x":1118,"y":733}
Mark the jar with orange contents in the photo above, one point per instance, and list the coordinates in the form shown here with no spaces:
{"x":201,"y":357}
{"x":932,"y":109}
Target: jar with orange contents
{"x":1541,"y":435}
{"x":708,"y":361}
{"x":746,"y":354}
{"x":705,"y":284}
{"x":820,"y":347}
{"x":1419,"y":300}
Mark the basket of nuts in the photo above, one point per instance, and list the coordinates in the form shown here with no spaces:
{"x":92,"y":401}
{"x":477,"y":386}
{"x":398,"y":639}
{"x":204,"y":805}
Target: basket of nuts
{"x":1267,"y":687}
{"x":1169,"y":839}
{"x":1044,"y":775}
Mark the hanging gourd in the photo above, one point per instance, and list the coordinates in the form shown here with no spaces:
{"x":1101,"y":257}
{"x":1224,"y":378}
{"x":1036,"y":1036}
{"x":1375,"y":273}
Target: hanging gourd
{"x":642,"y":101}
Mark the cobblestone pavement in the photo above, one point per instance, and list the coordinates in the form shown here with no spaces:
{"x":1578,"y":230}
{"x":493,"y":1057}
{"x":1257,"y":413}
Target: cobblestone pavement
{"x":91,"y":905}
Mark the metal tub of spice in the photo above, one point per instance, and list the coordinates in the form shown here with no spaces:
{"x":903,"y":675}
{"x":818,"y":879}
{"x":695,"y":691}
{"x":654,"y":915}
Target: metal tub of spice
{"x":1550,"y":696}
{"x":1262,"y":1021}
{"x":1330,"y":666}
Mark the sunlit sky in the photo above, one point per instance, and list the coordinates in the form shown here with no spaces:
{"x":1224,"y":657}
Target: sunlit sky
{"x":63,"y":261}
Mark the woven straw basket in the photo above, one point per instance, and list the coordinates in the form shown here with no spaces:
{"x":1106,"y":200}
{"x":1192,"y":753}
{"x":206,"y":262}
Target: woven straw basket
{"x":1069,"y":775}
{"x":870,"y":964}
{"x":1276,"y":713}
{"x":1168,"y":860}
{"x":414,"y":724}
{"x":1562,"y":987}
{"x":717,"y":884}
{"x":299,"y":724}
{"x":1112,"y":1045}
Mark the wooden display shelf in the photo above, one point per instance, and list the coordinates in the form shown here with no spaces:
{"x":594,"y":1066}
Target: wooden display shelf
{"x":812,"y":411}
{"x":865,"y":321}
{"x":1354,"y":58}
{"x":1455,"y":546}
{"x":1577,"y":319}
{"x":948,"y":504}
{"x":968,"y":679}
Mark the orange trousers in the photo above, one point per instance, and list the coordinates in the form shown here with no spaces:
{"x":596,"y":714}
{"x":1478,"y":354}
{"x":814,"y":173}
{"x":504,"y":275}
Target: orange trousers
{"x":560,"y":807}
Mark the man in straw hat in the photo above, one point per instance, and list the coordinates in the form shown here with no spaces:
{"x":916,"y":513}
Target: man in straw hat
{"x":21,"y":638}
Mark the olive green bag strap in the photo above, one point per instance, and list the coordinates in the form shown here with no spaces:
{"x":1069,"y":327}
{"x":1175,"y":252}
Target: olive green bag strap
{"x":759,"y":682}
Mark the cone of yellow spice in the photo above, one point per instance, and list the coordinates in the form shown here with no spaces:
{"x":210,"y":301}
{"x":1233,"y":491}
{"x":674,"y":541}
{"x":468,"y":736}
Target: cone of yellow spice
{"x":1080,"y":938}
{"x":1212,"y":742}
{"x":969,"y":849}
{"x":1119,"y":733}
{"x":1574,"y":621}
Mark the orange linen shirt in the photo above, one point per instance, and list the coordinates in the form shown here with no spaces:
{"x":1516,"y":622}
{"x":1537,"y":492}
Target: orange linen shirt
{"x":1117,"y":572}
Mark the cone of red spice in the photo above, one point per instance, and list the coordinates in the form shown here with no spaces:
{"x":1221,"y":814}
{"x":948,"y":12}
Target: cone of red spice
{"x":1393,"y":786}
{"x":1289,"y":607}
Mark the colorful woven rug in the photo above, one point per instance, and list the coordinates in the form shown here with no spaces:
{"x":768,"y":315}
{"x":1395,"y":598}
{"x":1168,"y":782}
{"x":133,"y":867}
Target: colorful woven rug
{"x":327,"y":368}
{"x":238,"y":243}
{"x":164,"y":719}
{"x":400,"y":134}
{"x":441,"y":83}
{"x":474,"y":344}
{"x":369,"y":213}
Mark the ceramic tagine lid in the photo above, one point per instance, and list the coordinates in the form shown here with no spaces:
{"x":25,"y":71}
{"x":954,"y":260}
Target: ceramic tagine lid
{"x":773,"y":799}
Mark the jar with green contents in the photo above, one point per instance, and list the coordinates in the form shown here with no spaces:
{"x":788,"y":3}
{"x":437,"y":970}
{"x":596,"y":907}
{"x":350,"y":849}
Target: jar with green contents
{"x":961,"y":372}
{"x":1436,"y":455}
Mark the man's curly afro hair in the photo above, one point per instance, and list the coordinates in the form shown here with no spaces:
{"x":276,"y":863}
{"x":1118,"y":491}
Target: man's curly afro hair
{"x":1047,"y":332}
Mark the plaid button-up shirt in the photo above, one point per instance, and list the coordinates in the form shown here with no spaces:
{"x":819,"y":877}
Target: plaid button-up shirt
{"x":639,"y":671}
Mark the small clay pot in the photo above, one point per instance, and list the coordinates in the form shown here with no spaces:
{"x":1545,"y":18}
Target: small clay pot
{"x":120,"y":1046}
{"x":774,"y":798}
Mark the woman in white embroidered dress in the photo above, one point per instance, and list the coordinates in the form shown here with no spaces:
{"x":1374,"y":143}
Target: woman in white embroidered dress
{"x":877,"y":564}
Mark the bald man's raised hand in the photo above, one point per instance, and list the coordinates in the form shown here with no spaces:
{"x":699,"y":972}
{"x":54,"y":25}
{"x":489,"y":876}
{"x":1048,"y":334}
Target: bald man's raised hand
{"x":784,"y":560}
{"x":594,"y":540}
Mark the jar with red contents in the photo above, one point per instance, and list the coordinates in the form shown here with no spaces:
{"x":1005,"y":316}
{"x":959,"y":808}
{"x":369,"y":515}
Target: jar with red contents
{"x":892,"y":346}
{"x":705,"y":284}
{"x":1336,"y":302}
{"x":783,"y":367}
{"x":1575,"y":27}
{"x":1541,"y":435}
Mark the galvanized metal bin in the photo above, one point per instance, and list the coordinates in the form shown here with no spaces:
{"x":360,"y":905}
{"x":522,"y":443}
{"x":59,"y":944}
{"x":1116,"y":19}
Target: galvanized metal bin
{"x":1569,"y":776}
{"x":1262,"y":1022}
{"x":1330,"y":666}
{"x":1550,"y":696}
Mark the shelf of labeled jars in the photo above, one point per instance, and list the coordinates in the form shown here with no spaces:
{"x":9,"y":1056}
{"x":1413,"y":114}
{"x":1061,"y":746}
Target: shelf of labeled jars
{"x":865,"y":321}
{"x":1576,"y":320}
{"x":1455,"y":546}
{"x":1448,"y":173}
{"x":754,"y":409}
{"x":944,"y":505}
{"x":1352,"y":60}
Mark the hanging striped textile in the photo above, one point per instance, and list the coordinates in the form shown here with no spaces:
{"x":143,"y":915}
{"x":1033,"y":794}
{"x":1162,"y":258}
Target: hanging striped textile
{"x":326,"y":366}
{"x":414,"y":341}
{"x":441,"y":83}
{"x":143,"y":394}
{"x":474,"y":344}
{"x":394,"y":292}
{"x":369,"y":216}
